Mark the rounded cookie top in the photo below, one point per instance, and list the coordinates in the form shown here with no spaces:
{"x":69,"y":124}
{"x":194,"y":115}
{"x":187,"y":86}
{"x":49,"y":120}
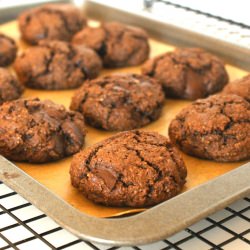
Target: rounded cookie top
{"x":240,"y":87}
{"x":118,"y":44}
{"x":50,"y":22}
{"x":39,"y":131}
{"x":10,"y":88}
{"x":188,"y":73}
{"x":8,"y":50}
{"x":57,"y":65}
{"x":216,"y":128}
{"x":119,"y":101}
{"x":132,"y":168}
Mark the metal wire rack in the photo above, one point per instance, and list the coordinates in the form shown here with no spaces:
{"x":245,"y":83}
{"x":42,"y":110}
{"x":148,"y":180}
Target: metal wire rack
{"x":23,"y":226}
{"x":201,"y":22}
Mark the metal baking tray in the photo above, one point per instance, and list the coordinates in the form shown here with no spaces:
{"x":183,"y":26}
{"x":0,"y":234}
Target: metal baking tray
{"x":151,"y":225}
{"x":157,"y":222}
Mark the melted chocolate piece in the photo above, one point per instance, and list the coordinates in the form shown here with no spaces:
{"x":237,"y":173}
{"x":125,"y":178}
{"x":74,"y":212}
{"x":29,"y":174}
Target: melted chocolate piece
{"x":194,"y":85}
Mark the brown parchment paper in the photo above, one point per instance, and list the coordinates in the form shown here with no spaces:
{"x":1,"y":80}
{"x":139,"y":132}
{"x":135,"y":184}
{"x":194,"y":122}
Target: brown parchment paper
{"x":55,"y":176}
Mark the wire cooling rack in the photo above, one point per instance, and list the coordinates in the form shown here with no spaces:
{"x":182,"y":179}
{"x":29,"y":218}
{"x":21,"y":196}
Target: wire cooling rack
{"x":210,"y":25}
{"x":23,"y":226}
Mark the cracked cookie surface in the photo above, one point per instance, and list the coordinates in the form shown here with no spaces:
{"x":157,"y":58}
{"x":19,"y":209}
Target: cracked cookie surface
{"x":216,"y":128}
{"x":240,"y":87}
{"x":57,"y":65}
{"x":117,"y":44}
{"x":188,"y":73}
{"x":8,"y":50}
{"x":39,"y":131}
{"x":119,"y":101}
{"x":132,"y":168}
{"x":10,"y":88}
{"x":50,"y":22}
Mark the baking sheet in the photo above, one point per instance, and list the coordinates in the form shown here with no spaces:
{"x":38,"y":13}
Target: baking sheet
{"x":55,"y":175}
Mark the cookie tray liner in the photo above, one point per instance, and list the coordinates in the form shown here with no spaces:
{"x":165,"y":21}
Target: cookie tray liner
{"x":210,"y":186}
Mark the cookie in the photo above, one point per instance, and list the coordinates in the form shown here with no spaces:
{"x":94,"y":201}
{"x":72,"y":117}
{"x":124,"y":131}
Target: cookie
{"x":10,"y":88}
{"x":57,"y":65}
{"x":188,"y":73}
{"x":131,"y":168}
{"x":240,"y":87}
{"x":39,"y":131}
{"x":216,"y":128}
{"x":50,"y":22}
{"x":8,"y":50}
{"x":119,"y":101}
{"x":117,"y":44}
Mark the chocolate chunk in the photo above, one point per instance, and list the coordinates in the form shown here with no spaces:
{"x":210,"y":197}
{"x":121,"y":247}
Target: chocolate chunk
{"x":107,"y":176}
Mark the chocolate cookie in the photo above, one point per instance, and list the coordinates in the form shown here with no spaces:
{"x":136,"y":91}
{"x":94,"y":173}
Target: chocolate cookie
{"x":8,"y":50}
{"x":216,"y":128}
{"x":39,"y":131}
{"x":10,"y":88}
{"x":57,"y":65}
{"x":132,"y":168}
{"x":189,"y":73}
{"x":51,"y":22}
{"x":118,"y":44}
{"x":240,"y":87}
{"x":119,"y":101}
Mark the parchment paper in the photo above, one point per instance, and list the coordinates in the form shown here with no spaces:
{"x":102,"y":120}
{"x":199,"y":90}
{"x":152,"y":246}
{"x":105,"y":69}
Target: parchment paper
{"x":55,"y":176}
